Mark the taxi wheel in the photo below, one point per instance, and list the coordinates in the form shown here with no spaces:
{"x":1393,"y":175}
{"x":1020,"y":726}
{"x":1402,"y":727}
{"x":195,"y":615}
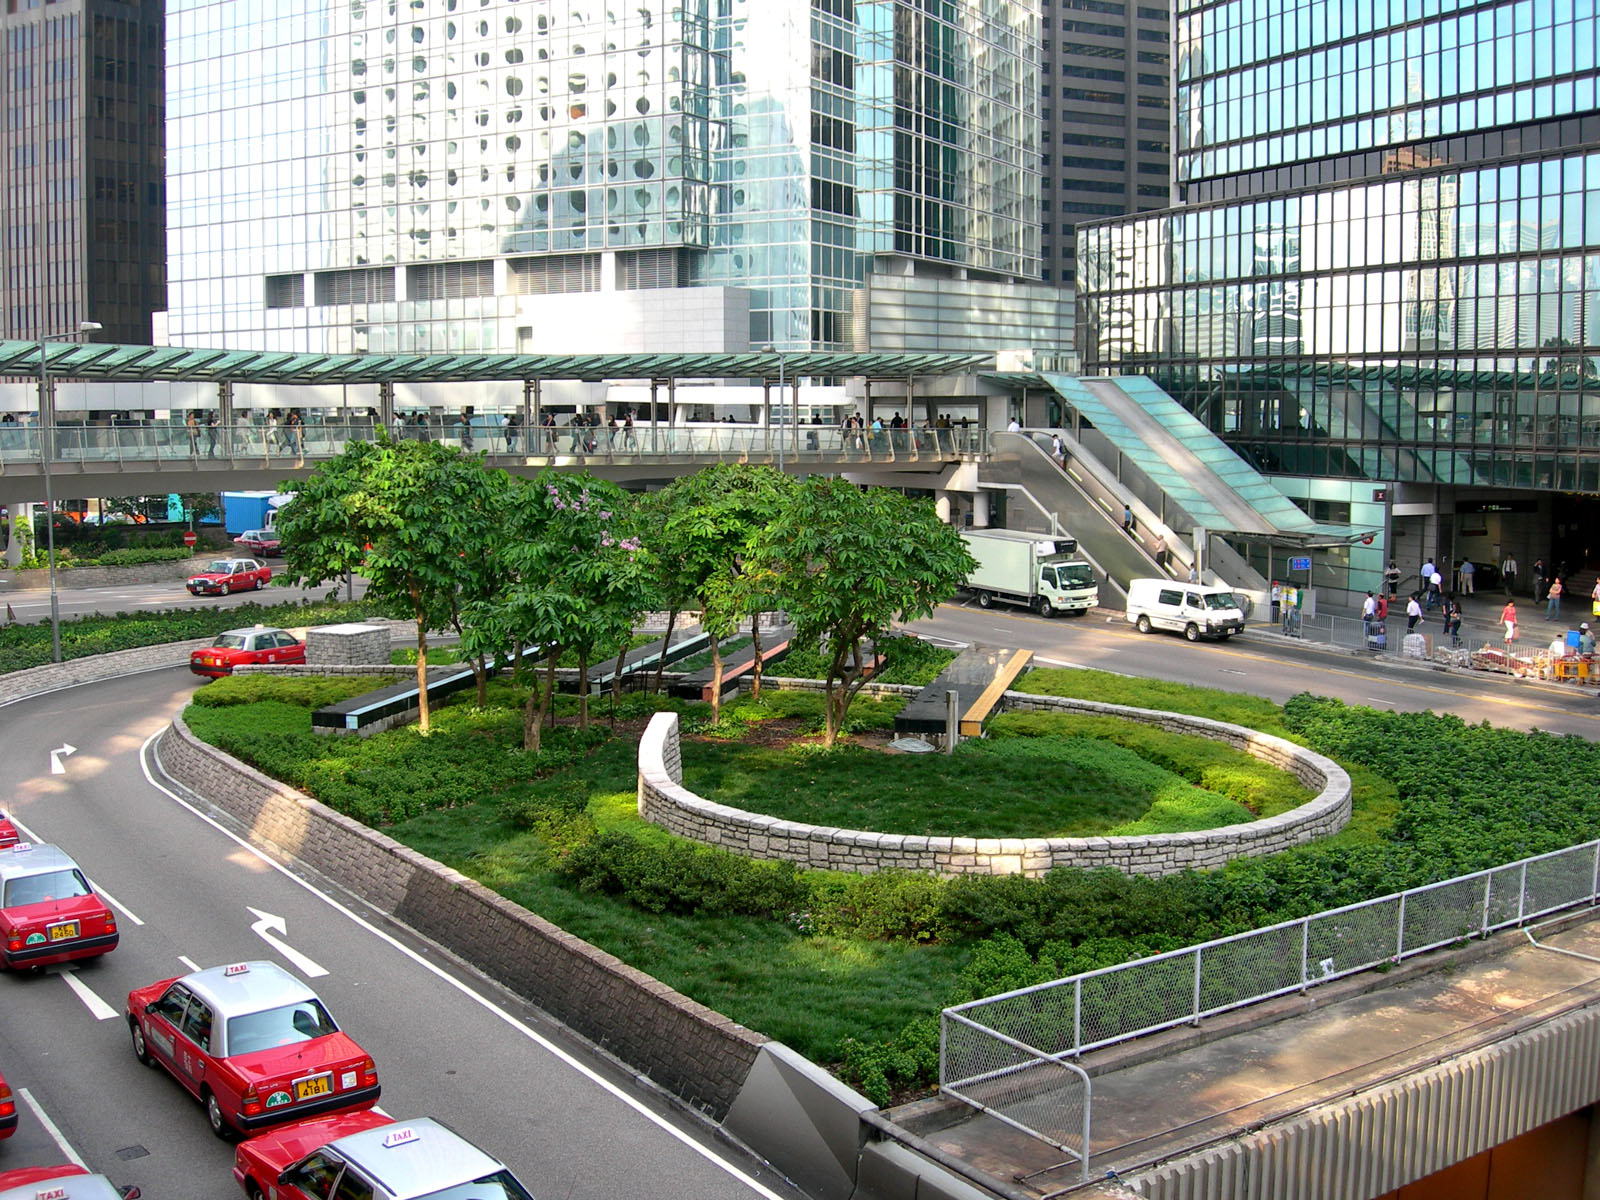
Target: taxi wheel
{"x":225,"y":588}
{"x":140,"y":1050}
{"x":214,"y":1116}
{"x":253,"y":1190}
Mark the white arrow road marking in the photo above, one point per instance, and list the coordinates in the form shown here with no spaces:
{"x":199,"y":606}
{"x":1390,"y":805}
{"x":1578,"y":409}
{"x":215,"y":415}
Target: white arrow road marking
{"x":98,"y":1008}
{"x":50,"y":1127}
{"x":57,"y":767}
{"x":444,"y":977}
{"x":267,"y":924}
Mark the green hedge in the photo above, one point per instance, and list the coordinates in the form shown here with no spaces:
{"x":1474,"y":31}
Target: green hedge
{"x":24,"y":646}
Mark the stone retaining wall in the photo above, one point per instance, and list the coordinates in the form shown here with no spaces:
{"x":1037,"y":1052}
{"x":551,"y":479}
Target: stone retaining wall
{"x":665,"y":801}
{"x":684,"y":1046}
{"x":37,"y":579}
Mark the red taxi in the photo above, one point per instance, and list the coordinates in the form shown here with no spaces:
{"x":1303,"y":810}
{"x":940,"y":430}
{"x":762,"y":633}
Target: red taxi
{"x":60,"y":1183}
{"x":236,"y":647}
{"x":261,"y":542}
{"x":8,"y":832}
{"x":370,"y":1155}
{"x":49,"y":913}
{"x":8,"y":1110}
{"x":253,"y":1044}
{"x":225,"y":575}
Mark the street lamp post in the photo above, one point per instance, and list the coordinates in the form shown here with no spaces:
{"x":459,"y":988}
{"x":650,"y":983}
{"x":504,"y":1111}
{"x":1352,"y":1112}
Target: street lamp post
{"x":46,"y":453}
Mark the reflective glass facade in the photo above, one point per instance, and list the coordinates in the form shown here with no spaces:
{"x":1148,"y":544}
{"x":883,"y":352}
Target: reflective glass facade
{"x":82,"y":221}
{"x":372,"y":175}
{"x":1418,"y":300}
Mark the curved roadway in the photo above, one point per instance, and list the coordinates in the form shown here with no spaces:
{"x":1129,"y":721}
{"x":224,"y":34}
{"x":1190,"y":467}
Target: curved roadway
{"x":448,"y":1044}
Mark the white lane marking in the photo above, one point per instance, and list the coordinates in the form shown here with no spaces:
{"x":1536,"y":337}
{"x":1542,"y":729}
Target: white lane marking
{"x":1374,"y":699}
{"x":1229,"y":671}
{"x":57,"y":767}
{"x":50,"y":1127}
{"x":98,"y":890}
{"x":188,"y":962}
{"x":483,"y":1001}
{"x":98,"y":1008}
{"x":114,"y":902}
{"x":1058,"y":662}
{"x":266,"y":925}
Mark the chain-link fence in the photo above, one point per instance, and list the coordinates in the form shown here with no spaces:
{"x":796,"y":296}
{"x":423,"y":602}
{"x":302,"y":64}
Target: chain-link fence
{"x":1006,"y":1054}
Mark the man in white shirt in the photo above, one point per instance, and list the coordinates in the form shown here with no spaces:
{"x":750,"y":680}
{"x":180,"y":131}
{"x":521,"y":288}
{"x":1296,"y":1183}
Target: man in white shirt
{"x":1015,"y":426}
{"x":1508,"y":573}
{"x":1413,"y":613}
{"x":1369,"y":610}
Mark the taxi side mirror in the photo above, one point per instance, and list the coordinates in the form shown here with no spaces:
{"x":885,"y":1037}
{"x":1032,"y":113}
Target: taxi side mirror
{"x":129,"y":1192}
{"x":150,"y":1008}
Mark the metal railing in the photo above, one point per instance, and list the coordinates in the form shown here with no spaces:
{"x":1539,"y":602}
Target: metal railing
{"x":1008,"y":1050}
{"x":256,"y":444}
{"x":1523,"y":655}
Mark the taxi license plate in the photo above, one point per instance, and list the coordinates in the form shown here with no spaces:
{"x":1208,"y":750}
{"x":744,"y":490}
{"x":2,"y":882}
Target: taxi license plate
{"x":317,"y":1085}
{"x":64,"y":931}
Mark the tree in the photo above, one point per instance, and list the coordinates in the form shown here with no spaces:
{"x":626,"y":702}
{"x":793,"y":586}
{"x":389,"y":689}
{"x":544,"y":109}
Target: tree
{"x":573,"y":578}
{"x":709,"y":522}
{"x":417,"y":519}
{"x":847,"y":561}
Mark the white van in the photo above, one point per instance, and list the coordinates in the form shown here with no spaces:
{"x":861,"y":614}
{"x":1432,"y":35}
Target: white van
{"x":1193,"y":609}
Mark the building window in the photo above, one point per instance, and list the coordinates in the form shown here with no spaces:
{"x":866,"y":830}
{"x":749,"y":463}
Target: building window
{"x":286,"y":291}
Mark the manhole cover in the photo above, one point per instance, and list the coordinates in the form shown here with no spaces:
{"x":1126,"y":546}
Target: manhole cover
{"x":911,"y":745}
{"x":128,"y":1152}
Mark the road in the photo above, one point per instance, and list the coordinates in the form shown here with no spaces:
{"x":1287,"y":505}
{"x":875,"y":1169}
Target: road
{"x":1262,"y":664}
{"x":448,"y":1044}
{"x":34,"y":606}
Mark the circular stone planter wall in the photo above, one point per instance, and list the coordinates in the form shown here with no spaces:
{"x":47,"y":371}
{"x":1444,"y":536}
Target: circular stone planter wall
{"x":664,"y":801}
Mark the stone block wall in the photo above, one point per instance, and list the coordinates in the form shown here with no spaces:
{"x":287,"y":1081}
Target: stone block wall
{"x":348,"y":644}
{"x":684,"y":1046}
{"x":173,"y":571}
{"x":665,"y":801}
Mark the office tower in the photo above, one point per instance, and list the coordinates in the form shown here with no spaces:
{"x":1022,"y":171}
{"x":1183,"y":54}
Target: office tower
{"x":1106,"y":114}
{"x":1386,"y":266}
{"x":81,"y":146}
{"x":439,"y":175}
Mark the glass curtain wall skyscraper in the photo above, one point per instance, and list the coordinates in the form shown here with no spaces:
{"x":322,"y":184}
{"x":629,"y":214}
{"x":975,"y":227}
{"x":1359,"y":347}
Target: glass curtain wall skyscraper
{"x":1387,"y":266}
{"x":438,"y":176}
{"x":83,"y":221}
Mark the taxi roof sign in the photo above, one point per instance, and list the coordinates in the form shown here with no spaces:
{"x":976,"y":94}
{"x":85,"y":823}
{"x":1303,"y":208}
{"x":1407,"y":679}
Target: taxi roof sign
{"x":55,"y":1193}
{"x":22,"y":848}
{"x":236,"y":969}
{"x":400,"y":1137}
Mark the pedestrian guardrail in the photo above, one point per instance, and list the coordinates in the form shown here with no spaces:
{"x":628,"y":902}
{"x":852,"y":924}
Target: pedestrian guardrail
{"x":1008,"y":1055}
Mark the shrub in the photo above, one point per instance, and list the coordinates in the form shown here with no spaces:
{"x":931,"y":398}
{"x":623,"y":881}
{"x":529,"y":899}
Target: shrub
{"x":679,"y":877}
{"x":884,"y":906}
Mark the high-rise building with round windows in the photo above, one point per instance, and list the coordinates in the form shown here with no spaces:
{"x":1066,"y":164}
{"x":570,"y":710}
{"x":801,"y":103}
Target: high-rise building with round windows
{"x":447,"y":175}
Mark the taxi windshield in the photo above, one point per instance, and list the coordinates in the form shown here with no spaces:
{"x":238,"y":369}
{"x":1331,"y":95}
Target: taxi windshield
{"x":499,"y":1186}
{"x":221,"y":567}
{"x":1221,"y":600}
{"x":37,"y":889}
{"x":229,"y":641}
{"x":282,"y":1026}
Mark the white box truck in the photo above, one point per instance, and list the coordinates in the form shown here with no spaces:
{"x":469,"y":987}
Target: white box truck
{"x":1030,"y":570}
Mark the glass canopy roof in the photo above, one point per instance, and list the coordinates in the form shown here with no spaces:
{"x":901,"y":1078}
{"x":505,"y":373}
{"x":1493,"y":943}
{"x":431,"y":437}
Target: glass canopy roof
{"x":95,"y":360}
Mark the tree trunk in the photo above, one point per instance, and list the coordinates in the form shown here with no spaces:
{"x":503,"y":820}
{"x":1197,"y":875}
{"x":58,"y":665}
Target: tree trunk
{"x":533,"y":716}
{"x":616,"y":682}
{"x":550,"y":685}
{"x":666,"y":642}
{"x":755,"y":644}
{"x":583,"y":689}
{"x":422,"y":676}
{"x":716,"y":679}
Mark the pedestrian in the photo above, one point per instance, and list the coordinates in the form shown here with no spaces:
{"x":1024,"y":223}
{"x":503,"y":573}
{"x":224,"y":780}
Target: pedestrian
{"x":513,"y":432}
{"x":1194,"y":572}
{"x":1452,"y":619}
{"x":1014,"y":426}
{"x":1413,"y":612}
{"x":274,"y":438}
{"x":1426,"y":576}
{"x":1552,"y":605}
{"x":1538,"y":580}
{"x":1435,"y":589}
{"x":632,"y":441}
{"x":1391,"y":579}
{"x":466,"y":431}
{"x":1594,"y":596}
{"x":1369,"y":614}
{"x":1057,"y":451}
{"x":548,"y":424}
{"x":1466,"y":571}
{"x":1381,"y":612}
{"x":1127,"y":519}
{"x":192,"y":426}
{"x":213,"y":425}
{"x":1508,"y":573}
{"x":297,"y":431}
{"x":1585,"y":639}
{"x":1508,"y":616}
